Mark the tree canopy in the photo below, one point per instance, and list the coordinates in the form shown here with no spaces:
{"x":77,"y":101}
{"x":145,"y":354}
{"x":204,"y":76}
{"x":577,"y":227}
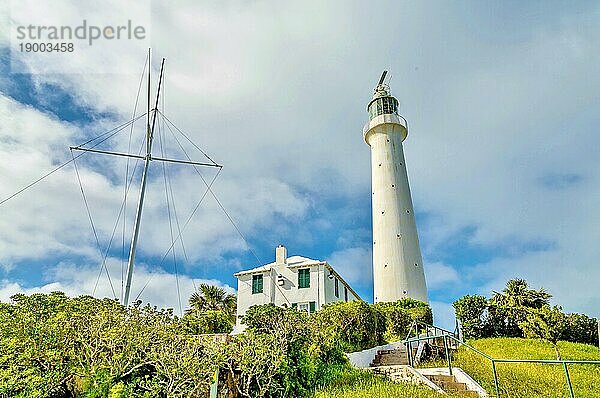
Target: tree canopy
{"x":519,"y":311}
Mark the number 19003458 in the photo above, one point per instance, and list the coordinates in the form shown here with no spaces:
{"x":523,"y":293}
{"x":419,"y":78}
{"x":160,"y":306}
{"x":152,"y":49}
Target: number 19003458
{"x":46,"y":47}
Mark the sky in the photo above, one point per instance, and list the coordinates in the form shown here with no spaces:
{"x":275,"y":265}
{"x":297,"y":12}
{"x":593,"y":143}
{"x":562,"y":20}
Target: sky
{"x":502,"y":101}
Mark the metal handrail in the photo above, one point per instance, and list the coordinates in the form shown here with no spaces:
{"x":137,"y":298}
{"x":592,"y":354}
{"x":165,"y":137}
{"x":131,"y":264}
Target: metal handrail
{"x":414,"y":326}
{"x":494,"y":361}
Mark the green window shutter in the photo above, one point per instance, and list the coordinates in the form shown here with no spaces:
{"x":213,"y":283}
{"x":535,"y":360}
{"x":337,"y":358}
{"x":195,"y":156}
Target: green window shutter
{"x":312,"y":306}
{"x":303,"y":278}
{"x":295,"y":305}
{"x":257,"y":284}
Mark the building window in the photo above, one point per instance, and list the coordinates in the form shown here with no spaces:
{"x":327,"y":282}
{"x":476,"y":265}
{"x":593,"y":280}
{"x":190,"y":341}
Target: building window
{"x":257,"y":284}
{"x":309,"y":307}
{"x":345,"y":293}
{"x":337,"y":288}
{"x":303,"y":278}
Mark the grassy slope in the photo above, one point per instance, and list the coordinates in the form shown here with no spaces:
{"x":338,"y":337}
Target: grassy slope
{"x":353,"y":383}
{"x":532,"y":380}
{"x":516,"y":380}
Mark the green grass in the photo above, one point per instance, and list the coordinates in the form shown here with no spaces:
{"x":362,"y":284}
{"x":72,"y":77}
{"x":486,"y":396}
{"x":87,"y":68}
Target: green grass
{"x":345,"y":382}
{"x":531,"y":380}
{"x":516,"y":380}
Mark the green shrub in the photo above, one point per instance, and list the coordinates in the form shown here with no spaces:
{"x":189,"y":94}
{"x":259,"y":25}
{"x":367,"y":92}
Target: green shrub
{"x":581,"y":329}
{"x":296,"y":364}
{"x":206,"y":322}
{"x":400,"y":314}
{"x":515,"y":312}
{"x":548,"y":323}
{"x":470,"y":311}
{"x":53,"y":345}
{"x":356,"y":324}
{"x":265,"y":318}
{"x":417,"y":310}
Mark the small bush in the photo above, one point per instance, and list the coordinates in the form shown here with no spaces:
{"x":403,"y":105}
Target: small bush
{"x":206,"y":322}
{"x":581,"y":329}
{"x":471,"y":310}
{"x":356,"y":324}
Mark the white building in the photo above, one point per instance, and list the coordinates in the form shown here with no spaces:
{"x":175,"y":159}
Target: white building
{"x":296,"y":282}
{"x":397,"y":262}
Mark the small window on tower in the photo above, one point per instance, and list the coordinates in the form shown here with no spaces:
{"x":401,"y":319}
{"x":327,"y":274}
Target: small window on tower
{"x":337,"y":287}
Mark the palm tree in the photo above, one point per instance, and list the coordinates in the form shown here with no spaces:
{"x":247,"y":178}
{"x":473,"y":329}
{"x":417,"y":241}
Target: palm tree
{"x":512,"y":305}
{"x":209,"y":297}
{"x":516,"y":294}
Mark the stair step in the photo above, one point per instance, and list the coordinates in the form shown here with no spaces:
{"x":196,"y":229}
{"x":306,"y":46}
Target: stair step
{"x":390,"y":357}
{"x":448,"y":383}
{"x":452,"y":386}
{"x":469,"y":394}
{"x":442,"y":378}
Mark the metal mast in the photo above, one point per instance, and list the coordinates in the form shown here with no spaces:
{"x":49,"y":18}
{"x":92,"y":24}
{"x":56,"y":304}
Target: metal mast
{"x":151,"y":122}
{"x":147,"y":159}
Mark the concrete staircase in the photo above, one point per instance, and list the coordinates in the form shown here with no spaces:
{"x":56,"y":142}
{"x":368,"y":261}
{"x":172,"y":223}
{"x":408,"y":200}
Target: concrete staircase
{"x":393,"y":364}
{"x":450,"y":384}
{"x":398,"y":356}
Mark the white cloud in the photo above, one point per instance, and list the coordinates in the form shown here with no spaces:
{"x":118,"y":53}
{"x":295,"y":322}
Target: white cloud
{"x":440,"y":276}
{"x":354,"y":264}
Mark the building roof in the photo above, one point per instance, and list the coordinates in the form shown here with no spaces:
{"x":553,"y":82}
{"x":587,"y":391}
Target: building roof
{"x":292,"y":262}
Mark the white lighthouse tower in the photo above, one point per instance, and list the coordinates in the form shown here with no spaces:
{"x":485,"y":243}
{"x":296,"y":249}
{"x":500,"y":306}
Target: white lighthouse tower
{"x":397,"y":263}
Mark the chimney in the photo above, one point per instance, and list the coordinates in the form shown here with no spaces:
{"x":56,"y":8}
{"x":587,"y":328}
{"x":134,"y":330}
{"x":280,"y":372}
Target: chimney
{"x":280,"y":255}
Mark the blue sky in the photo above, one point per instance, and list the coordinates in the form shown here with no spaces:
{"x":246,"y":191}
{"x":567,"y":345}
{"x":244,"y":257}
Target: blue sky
{"x":501,"y":98}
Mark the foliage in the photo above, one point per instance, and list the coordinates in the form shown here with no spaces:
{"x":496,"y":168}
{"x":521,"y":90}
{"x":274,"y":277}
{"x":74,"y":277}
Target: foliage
{"x":52,"y":345}
{"x":581,"y":329}
{"x":418,"y":310}
{"x":212,"y":298}
{"x":519,"y":311}
{"x":527,"y":380}
{"x":206,"y":322}
{"x":265,"y":318}
{"x":356,"y":324}
{"x":548,"y":323}
{"x":471,"y":311}
{"x":400,"y":314}
{"x":308,"y":349}
{"x":517,"y":294}
{"x":509,"y":308}
{"x":291,"y":333}
{"x":398,"y":321}
{"x":254,"y":363}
